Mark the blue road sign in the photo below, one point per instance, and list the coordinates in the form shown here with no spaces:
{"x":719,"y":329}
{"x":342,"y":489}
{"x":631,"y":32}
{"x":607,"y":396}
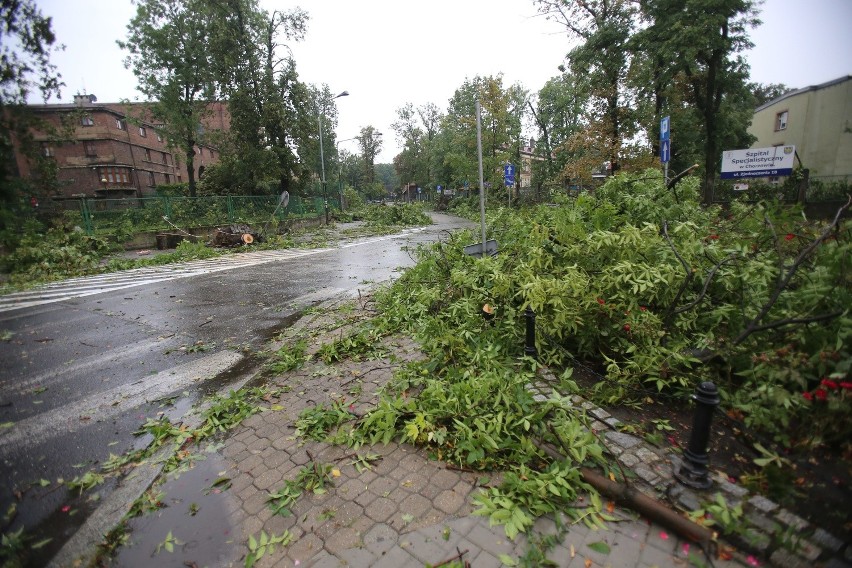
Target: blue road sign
{"x":664,"y":129}
{"x":509,"y":174}
{"x":665,"y":151}
{"x":440,"y":188}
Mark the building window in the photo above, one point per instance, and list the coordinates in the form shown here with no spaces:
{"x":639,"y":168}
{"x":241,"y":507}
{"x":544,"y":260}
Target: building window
{"x":165,"y":158}
{"x":147,"y":155}
{"x":168,"y":178}
{"x":159,"y":137}
{"x":151,"y":179}
{"x":115,"y":176}
{"x":46,"y":150}
{"x":142,"y":132}
{"x":120,"y":124}
{"x":86,"y":120}
{"x":781,"y":121}
{"x":89,"y":149}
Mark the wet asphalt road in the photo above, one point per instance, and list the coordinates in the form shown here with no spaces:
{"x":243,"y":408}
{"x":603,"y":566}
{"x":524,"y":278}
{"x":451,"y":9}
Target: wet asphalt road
{"x":80,"y":375}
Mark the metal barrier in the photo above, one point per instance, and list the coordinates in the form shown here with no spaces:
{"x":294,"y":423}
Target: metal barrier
{"x":791,"y":189}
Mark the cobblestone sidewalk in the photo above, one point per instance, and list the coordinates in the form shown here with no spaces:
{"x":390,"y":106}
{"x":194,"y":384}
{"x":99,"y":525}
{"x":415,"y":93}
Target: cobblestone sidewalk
{"x":408,"y":510}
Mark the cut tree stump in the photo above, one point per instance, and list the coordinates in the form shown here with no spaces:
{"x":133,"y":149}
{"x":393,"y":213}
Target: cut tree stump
{"x":235,"y":235}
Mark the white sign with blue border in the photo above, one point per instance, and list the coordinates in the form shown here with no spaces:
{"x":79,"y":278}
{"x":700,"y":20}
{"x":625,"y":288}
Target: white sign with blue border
{"x":758,"y":162}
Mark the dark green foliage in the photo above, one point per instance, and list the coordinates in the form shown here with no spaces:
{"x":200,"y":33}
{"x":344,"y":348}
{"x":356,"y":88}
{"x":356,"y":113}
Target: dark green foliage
{"x":42,"y":255}
{"x":610,"y":286}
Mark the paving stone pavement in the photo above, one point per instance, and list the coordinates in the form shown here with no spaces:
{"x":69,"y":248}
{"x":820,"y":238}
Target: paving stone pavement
{"x":412,"y":511}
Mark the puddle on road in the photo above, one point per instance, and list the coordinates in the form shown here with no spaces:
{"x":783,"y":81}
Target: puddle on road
{"x":197,"y":516}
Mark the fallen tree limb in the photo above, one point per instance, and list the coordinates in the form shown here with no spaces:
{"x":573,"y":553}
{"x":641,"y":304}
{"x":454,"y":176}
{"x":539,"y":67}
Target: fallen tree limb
{"x":672,"y":182}
{"x":634,"y":499}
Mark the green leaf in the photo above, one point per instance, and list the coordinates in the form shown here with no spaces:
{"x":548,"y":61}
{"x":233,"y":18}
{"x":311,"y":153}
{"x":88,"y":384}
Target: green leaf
{"x":41,"y":543}
{"x":508,"y":560}
{"x":600,"y":547}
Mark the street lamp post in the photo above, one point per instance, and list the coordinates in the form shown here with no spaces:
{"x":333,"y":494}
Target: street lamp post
{"x":322,"y":156}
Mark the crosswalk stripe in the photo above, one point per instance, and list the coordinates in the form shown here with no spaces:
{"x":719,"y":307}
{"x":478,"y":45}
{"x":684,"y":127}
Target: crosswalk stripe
{"x":100,"y":283}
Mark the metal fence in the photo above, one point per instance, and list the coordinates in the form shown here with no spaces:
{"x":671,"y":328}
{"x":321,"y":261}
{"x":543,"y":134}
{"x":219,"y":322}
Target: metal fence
{"x":164,"y":213}
{"x":816,"y":189}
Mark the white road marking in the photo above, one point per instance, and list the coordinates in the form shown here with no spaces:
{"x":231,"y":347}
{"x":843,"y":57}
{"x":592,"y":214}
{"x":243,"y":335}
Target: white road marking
{"x":102,"y":283}
{"x":99,"y":284}
{"x":101,"y":405}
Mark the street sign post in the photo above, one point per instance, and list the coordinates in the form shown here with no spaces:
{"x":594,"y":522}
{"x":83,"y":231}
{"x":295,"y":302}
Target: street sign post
{"x":509,"y":174}
{"x":665,"y":145}
{"x":509,"y":179}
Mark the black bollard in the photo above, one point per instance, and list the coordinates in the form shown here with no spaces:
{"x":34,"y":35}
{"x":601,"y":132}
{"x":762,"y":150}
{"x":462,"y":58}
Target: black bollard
{"x":529,"y":348}
{"x":693,"y":471}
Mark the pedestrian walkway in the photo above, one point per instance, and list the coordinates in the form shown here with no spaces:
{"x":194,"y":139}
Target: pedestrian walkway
{"x":394,"y":506}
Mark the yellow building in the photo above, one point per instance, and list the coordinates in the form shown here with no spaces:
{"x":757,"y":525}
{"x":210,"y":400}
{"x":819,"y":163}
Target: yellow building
{"x":817,"y":120}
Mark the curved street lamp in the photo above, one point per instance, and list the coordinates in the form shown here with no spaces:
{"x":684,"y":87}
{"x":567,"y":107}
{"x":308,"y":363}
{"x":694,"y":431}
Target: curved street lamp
{"x":322,"y":155}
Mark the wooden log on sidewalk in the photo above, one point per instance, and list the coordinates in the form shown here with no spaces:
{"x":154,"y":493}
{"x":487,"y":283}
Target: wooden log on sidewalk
{"x":633,"y":499}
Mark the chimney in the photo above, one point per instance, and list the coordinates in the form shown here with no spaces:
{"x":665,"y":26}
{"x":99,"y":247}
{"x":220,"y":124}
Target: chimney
{"x":84,"y":100}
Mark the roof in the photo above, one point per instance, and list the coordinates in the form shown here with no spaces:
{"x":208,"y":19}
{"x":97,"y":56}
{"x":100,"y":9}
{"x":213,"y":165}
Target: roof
{"x":825,"y":85}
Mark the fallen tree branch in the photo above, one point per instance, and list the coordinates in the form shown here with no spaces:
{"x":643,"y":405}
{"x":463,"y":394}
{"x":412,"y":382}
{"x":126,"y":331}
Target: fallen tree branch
{"x":672,"y":182}
{"x":707,"y":281}
{"x":634,"y":499}
{"x":458,"y":556}
{"x":754,"y":324}
{"x":690,"y":274}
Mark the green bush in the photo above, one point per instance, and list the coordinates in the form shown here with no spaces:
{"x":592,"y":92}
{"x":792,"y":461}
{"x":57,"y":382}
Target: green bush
{"x":639,"y":281}
{"x":400,"y":215}
{"x":58,"y":252}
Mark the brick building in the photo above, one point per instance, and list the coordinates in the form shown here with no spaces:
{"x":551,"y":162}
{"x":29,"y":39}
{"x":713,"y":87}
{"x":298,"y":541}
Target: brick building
{"x":109,"y":155}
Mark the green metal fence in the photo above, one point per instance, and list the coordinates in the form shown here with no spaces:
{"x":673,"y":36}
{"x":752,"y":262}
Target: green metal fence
{"x":164,"y":213}
{"x":818,"y":189}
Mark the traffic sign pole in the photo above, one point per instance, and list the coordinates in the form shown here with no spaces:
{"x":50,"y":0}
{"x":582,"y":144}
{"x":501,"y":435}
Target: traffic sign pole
{"x":509,"y":179}
{"x":665,"y":145}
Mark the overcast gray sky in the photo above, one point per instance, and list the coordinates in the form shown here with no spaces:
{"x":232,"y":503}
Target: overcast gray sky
{"x":389,"y":52}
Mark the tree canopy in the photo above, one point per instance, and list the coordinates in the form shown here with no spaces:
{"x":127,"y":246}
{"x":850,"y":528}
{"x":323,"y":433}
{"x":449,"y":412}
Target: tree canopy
{"x":27,"y":41}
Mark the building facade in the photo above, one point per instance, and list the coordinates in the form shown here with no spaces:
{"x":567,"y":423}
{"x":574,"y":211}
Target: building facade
{"x":104,"y":153}
{"x":817,"y":120}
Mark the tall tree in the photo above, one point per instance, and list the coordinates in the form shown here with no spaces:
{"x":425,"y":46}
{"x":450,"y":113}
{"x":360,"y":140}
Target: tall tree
{"x":410,"y":162}
{"x":26,"y":43}
{"x":703,"y":39}
{"x":765,"y":92}
{"x":455,"y":147}
{"x":170,"y":53}
{"x":265,"y":96}
{"x":602,"y":59}
{"x":370,"y":142}
{"x":416,"y":130}
{"x":559,"y":111}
